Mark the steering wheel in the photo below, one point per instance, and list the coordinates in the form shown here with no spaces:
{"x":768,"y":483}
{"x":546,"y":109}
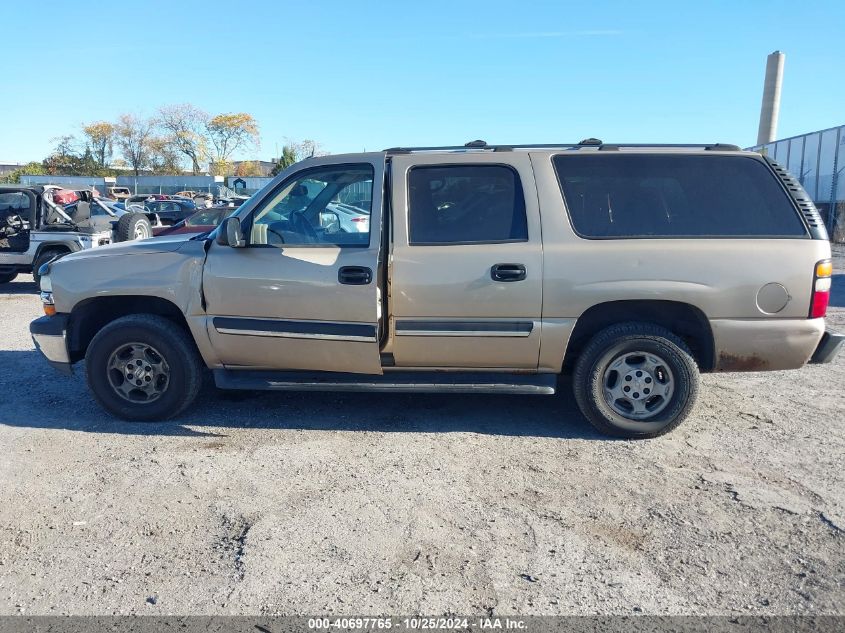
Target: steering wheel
{"x":302,"y":226}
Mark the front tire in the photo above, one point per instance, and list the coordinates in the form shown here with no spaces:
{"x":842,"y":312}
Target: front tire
{"x":7,"y":277}
{"x":143,"y":367}
{"x":635,"y":380}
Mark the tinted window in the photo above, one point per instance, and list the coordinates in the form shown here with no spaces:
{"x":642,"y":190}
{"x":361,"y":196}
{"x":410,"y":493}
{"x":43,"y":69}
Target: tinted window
{"x":674,"y":196}
{"x":462,"y":204}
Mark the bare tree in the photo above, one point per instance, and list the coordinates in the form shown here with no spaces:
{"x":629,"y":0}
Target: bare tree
{"x":132,"y":135}
{"x":186,"y":124}
{"x":307,"y":149}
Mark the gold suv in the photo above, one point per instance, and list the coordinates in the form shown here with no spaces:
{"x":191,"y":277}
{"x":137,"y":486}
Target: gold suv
{"x":465,"y":269}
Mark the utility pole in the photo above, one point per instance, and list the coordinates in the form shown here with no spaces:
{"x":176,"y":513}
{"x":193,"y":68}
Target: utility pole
{"x":770,"y":109}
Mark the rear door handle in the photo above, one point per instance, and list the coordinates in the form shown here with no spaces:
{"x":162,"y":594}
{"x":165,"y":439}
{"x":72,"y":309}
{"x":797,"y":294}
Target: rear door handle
{"x":507,"y":272}
{"x":354,"y":275}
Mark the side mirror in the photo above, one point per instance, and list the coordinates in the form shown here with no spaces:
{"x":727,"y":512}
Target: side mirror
{"x":329,"y":221}
{"x":230,"y":233}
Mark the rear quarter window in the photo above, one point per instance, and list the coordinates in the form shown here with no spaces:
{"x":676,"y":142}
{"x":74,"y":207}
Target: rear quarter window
{"x":670,"y":195}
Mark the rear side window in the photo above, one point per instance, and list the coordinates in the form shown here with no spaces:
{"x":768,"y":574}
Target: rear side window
{"x":465,"y":204}
{"x":617,"y":196}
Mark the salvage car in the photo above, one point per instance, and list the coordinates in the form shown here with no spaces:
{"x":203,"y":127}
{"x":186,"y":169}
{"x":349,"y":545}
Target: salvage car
{"x":40,"y":223}
{"x":484,"y":269}
{"x":202,"y":221}
{"x":170,"y":211}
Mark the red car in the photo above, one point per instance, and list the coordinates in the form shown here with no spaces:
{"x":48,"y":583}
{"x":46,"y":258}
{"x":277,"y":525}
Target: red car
{"x":200,"y":222}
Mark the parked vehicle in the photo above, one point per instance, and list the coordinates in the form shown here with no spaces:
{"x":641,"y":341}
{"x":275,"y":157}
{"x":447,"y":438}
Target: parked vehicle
{"x":35,"y":227}
{"x":118,"y":193}
{"x":485,"y":269}
{"x":170,"y":211}
{"x":350,"y":219}
{"x":138,"y":200}
{"x":202,"y":221}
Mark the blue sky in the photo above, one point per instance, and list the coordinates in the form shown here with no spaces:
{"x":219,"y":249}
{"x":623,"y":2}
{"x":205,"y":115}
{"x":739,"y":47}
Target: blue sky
{"x":372,"y":74}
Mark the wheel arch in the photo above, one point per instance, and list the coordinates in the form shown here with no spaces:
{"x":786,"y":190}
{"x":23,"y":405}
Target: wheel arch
{"x":57,"y":245}
{"x":89,"y":316}
{"x":683,"y":319}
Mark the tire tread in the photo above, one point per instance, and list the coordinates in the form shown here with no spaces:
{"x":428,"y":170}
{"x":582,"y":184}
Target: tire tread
{"x":584,"y":386}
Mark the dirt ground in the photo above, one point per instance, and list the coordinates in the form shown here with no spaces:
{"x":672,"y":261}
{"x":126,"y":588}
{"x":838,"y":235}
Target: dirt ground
{"x":393,"y":504}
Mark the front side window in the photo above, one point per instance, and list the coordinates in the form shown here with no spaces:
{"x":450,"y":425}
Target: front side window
{"x":671,"y":195}
{"x":327,"y":205}
{"x":465,"y":204}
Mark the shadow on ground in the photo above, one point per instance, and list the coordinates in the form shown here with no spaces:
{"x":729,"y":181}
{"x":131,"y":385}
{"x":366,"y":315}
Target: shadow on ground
{"x":49,"y":400}
{"x":20,"y":287}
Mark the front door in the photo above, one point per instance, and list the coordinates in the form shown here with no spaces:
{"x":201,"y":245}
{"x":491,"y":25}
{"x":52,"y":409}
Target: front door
{"x":466,"y":280}
{"x":303,"y":294}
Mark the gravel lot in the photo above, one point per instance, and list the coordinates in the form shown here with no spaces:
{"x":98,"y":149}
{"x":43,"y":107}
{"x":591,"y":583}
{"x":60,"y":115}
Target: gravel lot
{"x":273,"y":503}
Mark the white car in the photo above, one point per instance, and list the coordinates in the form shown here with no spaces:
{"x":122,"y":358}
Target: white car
{"x":351,"y":219}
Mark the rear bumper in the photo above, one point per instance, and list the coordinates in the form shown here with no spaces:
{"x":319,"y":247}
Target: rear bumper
{"x":828,"y":347}
{"x":49,"y":333}
{"x":765,"y":344}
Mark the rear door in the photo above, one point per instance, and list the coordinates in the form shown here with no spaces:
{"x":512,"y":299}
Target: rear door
{"x":303,"y":293}
{"x":467,"y":264}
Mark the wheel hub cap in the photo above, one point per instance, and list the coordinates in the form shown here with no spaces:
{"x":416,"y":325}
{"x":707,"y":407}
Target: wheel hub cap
{"x":638,"y":385}
{"x":137,"y":372}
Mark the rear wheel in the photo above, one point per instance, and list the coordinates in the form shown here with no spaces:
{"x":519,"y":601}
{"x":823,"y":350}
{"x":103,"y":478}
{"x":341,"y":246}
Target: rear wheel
{"x":635,"y":380}
{"x":133,"y":226}
{"x":6,"y":277}
{"x":143,"y":367}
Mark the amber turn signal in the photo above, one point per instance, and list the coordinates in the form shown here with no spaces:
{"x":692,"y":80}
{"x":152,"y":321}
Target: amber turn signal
{"x":824,"y":268}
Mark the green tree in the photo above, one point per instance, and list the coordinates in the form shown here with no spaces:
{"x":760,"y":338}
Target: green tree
{"x":33,"y":168}
{"x":287,"y":159}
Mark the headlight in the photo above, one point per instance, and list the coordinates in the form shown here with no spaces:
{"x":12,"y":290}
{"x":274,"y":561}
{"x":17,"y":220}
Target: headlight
{"x":45,"y":284}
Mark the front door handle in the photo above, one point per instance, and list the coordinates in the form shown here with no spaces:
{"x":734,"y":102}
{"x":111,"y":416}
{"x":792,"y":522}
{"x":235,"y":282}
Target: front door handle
{"x":507,"y":272}
{"x":354,"y":275}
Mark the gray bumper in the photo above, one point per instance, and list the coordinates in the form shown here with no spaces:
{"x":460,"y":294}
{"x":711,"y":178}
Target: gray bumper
{"x":828,"y":347}
{"x":50,"y":337}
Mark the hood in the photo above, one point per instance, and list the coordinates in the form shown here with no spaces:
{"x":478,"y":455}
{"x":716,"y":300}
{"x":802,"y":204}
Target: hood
{"x":167,"y":244}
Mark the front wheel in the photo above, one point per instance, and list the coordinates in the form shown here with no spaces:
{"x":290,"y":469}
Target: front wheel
{"x":635,"y":380}
{"x":7,"y":277}
{"x":143,"y":367}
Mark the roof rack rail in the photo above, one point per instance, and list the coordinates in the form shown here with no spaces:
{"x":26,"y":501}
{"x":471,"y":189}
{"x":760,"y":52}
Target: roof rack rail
{"x":589,"y":142}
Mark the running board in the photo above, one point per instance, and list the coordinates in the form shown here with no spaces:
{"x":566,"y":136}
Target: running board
{"x":409,"y":381}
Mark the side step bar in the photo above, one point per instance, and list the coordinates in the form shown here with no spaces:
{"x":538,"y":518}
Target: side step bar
{"x":407,"y":382}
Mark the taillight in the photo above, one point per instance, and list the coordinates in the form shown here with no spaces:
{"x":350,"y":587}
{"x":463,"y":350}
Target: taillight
{"x":821,"y":289}
{"x":360,"y":219}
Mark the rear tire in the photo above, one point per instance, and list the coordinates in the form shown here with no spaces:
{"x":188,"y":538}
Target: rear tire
{"x":635,"y":380}
{"x":7,"y":277}
{"x":133,"y":226}
{"x":151,"y":353}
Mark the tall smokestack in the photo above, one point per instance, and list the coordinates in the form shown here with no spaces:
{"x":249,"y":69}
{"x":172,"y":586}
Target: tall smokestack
{"x":770,"y":109}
